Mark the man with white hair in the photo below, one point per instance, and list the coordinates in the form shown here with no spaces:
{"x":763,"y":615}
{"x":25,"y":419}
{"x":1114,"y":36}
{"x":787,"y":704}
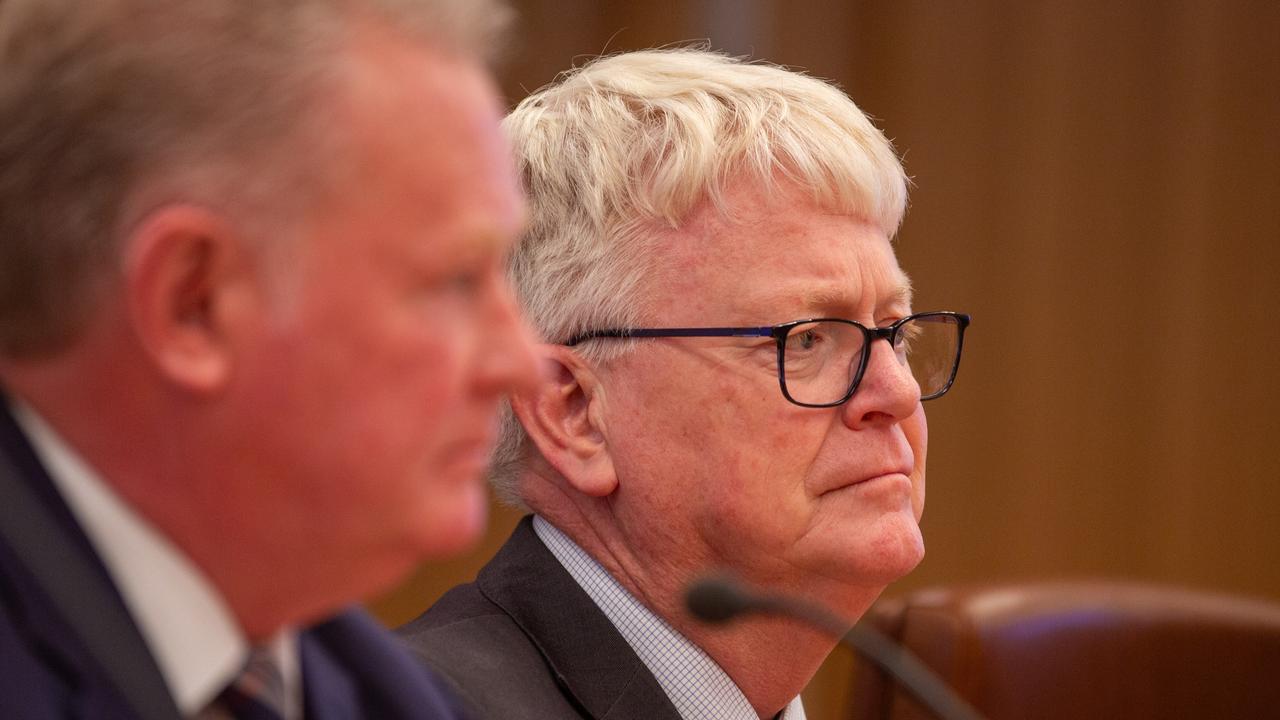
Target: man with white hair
{"x":709,"y":264}
{"x":254,"y":329}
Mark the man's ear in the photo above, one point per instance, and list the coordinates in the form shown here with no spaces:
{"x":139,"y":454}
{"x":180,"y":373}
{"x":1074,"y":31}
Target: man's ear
{"x":564,"y":417}
{"x":186,"y":275}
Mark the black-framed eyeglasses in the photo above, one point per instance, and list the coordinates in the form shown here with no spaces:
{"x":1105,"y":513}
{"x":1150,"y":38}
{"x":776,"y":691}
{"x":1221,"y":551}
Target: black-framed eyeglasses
{"x":822,"y":360}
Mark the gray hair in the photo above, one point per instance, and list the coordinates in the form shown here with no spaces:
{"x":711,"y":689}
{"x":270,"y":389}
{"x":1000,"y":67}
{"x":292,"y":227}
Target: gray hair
{"x":110,"y":107}
{"x":633,"y":142}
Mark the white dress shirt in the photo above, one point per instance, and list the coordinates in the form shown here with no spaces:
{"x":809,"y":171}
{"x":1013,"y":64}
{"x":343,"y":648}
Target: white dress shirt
{"x":195,"y":640}
{"x":696,"y":685}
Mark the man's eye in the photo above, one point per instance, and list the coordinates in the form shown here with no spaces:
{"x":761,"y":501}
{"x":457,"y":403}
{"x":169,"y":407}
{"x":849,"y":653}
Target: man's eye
{"x":806,"y":339}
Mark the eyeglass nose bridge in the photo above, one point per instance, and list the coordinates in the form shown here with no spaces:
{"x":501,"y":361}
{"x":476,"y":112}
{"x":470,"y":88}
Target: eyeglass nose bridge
{"x":891,"y":334}
{"x":883,"y":333}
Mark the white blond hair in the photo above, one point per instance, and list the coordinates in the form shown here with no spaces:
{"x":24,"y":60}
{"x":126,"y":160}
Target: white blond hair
{"x":633,"y":142}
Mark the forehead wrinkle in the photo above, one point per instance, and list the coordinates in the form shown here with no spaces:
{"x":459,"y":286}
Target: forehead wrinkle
{"x":839,"y":297}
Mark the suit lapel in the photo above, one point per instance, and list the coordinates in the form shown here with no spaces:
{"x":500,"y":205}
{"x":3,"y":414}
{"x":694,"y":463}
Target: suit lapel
{"x":65,"y":573}
{"x":590,"y":659}
{"x":31,"y":473}
{"x":329,"y":691}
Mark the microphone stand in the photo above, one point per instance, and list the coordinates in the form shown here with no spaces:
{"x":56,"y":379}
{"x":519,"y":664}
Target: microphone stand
{"x":719,"y":599}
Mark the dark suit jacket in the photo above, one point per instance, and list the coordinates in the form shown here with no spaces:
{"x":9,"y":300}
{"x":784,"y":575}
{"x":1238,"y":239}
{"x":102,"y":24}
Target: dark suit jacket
{"x":525,"y":641}
{"x":351,"y":667}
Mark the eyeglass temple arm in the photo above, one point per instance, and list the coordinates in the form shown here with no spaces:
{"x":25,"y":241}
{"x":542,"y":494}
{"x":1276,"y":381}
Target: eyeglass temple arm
{"x":765,"y":331}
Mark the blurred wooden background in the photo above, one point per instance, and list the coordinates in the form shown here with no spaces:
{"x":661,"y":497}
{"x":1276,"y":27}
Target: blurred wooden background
{"x":1098,"y":183}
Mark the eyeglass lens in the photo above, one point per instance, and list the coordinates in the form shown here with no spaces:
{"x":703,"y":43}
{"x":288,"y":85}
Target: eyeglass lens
{"x":821,"y":359}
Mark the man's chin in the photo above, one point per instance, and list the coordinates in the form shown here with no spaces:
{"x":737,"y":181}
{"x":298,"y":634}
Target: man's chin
{"x":897,"y":553}
{"x":881,"y":552}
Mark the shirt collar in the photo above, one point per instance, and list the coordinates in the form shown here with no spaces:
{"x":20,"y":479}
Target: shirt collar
{"x":695,"y":684}
{"x":187,"y":625}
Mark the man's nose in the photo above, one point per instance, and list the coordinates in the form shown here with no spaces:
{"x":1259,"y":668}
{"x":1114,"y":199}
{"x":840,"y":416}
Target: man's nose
{"x":510,"y":362}
{"x":888,"y":392}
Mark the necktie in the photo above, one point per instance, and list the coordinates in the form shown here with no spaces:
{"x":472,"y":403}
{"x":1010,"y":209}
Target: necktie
{"x":256,"y":694}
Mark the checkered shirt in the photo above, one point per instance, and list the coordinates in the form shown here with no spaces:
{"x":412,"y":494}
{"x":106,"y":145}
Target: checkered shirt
{"x":696,"y":685}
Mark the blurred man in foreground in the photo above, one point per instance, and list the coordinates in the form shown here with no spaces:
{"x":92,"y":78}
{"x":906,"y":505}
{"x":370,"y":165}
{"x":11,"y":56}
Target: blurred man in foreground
{"x":737,"y":383}
{"x":253,"y":330}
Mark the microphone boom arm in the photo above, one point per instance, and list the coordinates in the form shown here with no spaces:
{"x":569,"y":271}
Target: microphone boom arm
{"x":719,"y":599}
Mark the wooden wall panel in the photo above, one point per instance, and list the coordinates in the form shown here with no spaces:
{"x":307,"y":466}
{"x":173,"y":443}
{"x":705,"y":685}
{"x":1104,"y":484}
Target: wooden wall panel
{"x":1098,"y":183}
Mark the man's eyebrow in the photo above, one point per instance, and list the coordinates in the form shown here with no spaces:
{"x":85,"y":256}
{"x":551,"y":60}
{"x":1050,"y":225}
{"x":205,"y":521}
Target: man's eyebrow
{"x":826,"y":297}
{"x":903,"y":293}
{"x":900,"y":295}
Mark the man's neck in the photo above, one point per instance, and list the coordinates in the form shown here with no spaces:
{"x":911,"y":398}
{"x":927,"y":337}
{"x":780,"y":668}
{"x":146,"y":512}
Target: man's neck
{"x":191,"y":633}
{"x":770,"y":660}
{"x":159,"y":467}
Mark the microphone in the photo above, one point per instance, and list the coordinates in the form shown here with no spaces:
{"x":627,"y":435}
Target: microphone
{"x":717,"y":599}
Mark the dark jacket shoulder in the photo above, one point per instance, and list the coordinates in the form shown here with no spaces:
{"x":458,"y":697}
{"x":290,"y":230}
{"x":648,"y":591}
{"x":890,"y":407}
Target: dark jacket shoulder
{"x":493,"y":666}
{"x":525,"y":641}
